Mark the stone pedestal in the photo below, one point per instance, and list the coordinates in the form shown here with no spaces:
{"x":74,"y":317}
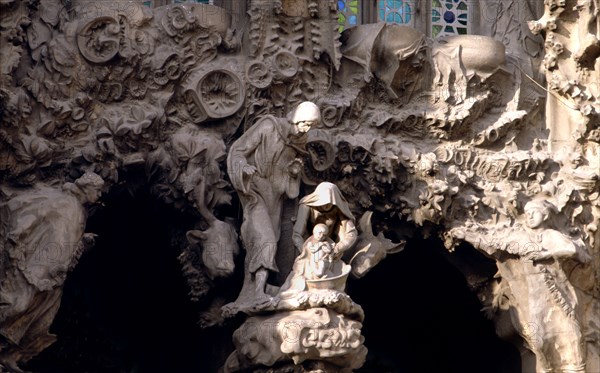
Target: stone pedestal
{"x":314,"y":338}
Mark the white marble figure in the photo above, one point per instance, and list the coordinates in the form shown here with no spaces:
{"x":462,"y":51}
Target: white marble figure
{"x":557,"y":341}
{"x":264,"y":167}
{"x":322,"y":253}
{"x":544,"y":304}
{"x":328,"y":207}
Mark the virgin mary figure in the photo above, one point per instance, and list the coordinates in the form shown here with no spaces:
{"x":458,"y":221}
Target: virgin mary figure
{"x":326,"y":205}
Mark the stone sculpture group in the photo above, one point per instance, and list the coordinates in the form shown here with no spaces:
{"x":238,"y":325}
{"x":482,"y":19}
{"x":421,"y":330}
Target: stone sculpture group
{"x":329,"y":142}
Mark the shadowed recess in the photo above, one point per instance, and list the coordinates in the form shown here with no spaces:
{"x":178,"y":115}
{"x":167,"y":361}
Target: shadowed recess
{"x":125,"y":307}
{"x":432,"y":322}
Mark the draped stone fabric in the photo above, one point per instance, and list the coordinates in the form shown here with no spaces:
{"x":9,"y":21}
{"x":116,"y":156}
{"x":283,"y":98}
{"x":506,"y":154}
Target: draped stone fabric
{"x":266,"y":147}
{"x":43,"y":228}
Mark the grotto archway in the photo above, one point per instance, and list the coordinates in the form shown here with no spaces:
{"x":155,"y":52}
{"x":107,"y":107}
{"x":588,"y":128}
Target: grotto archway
{"x":439,"y":325}
{"x":424,"y":132}
{"x":126,"y":305}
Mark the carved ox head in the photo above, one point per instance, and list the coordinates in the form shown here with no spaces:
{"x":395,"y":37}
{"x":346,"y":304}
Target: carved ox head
{"x":370,"y":249}
{"x":219,"y":245}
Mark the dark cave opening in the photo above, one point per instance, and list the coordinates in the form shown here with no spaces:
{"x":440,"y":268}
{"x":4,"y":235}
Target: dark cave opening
{"x":434,"y":324}
{"x":125,"y":306}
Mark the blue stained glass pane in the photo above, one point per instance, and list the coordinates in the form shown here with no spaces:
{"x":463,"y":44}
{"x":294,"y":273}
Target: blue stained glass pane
{"x":393,"y":17}
{"x":352,"y":20}
{"x":449,"y":16}
{"x":341,"y":5}
{"x":396,"y":11}
{"x":462,"y":19}
{"x":449,"y":29}
{"x":435,"y":15}
{"x":449,"y":5}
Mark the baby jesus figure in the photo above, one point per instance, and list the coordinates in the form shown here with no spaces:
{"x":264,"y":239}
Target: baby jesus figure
{"x":321,"y":253}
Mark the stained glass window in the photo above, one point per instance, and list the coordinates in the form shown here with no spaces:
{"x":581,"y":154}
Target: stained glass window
{"x":347,"y":13}
{"x":148,"y":3}
{"x":192,"y":1}
{"x":395,"y":11}
{"x":449,"y":17}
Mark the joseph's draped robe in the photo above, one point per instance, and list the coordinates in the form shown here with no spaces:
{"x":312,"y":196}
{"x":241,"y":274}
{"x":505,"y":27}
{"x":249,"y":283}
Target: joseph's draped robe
{"x":267,"y":147}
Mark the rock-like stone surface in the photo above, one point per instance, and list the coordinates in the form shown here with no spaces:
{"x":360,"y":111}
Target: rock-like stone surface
{"x":316,"y":334}
{"x":456,"y":137}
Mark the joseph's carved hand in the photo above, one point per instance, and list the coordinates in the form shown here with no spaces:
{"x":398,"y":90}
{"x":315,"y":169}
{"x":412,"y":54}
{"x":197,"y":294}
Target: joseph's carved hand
{"x":295,"y":166}
{"x":249,"y":170}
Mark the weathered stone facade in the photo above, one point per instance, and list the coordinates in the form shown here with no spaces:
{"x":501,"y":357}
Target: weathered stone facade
{"x":457,"y":137}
